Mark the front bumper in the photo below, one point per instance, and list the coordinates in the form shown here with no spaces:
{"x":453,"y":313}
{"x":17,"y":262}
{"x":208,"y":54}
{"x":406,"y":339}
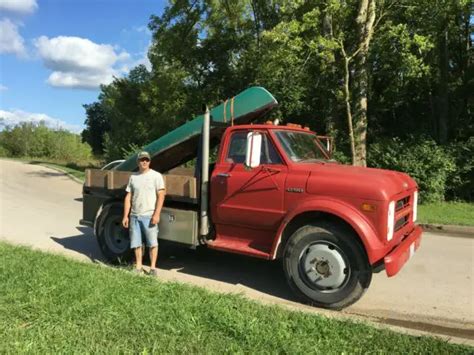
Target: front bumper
{"x":403,"y":252}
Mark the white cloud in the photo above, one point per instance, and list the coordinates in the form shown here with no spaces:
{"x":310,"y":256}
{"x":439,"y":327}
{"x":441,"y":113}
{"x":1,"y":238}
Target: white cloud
{"x":3,"y":88}
{"x":10,"y":40}
{"x":20,"y":6}
{"x":12,"y":118}
{"x":78,"y":62}
{"x":142,"y":29}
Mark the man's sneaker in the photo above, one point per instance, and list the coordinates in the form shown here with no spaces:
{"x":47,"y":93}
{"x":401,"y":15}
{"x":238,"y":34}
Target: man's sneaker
{"x":137,"y":271}
{"x":153,"y":272}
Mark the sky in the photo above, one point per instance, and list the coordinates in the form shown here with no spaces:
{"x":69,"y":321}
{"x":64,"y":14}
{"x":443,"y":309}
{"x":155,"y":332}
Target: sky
{"x":54,"y":54}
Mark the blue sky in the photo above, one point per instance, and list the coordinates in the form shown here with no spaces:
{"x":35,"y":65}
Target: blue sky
{"x":54,"y":54}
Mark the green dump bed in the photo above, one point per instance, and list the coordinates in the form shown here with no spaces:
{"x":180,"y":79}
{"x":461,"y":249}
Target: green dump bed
{"x":181,"y":144}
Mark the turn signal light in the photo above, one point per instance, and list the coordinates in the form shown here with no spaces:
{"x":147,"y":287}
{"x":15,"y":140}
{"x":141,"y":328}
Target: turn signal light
{"x":368,"y":207}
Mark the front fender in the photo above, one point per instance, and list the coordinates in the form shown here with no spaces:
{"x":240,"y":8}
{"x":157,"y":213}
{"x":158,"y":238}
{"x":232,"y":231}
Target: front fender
{"x":372,"y":244}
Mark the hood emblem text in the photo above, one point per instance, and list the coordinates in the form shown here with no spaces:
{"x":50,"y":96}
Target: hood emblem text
{"x":295,"y":189}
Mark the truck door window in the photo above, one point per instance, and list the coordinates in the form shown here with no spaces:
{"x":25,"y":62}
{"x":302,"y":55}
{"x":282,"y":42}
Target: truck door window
{"x":236,"y":153}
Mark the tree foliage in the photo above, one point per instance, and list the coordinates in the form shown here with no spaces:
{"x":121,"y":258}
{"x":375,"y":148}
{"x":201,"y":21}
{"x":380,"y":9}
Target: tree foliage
{"x":400,"y":67}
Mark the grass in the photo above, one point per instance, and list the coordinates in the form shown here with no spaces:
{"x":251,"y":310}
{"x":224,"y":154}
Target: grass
{"x":455,"y":213}
{"x":50,"y":304}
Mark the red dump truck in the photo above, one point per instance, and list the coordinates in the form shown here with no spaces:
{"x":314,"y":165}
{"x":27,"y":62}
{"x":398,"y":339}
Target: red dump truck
{"x":272,"y":193}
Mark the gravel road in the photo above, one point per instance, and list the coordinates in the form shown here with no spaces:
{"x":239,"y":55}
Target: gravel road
{"x":434,"y":293}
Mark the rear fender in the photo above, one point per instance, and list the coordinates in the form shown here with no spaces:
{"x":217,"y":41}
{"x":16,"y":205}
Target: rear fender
{"x":373,"y":246}
{"x":98,"y":222}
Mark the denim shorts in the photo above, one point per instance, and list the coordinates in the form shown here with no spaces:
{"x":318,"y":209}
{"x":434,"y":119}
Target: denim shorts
{"x":141,"y":230}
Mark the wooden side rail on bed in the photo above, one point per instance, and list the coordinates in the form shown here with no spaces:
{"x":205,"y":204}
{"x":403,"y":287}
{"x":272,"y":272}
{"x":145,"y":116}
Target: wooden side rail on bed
{"x":176,"y":185}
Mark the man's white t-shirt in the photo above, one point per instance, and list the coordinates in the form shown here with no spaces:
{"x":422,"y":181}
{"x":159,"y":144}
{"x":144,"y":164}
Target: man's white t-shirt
{"x":143,"y":188}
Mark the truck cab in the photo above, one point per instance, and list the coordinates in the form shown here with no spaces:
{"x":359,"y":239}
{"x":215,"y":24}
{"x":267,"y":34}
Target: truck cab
{"x":331,"y":224}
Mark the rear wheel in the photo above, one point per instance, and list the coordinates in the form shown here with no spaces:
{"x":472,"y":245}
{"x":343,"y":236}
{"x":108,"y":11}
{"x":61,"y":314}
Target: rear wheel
{"x":114,"y":240}
{"x":326,"y":265}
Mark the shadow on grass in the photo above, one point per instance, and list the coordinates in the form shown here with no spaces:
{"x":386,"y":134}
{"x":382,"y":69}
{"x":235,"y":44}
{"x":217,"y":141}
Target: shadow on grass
{"x":256,"y":274}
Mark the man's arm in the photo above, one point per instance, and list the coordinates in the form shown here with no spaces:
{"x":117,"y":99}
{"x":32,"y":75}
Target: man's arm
{"x":127,"y":204}
{"x":160,"y":198}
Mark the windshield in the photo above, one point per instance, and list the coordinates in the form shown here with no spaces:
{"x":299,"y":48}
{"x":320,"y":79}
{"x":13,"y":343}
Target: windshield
{"x":302,"y":147}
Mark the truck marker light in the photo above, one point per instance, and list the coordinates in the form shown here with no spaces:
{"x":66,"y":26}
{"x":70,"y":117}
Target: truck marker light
{"x":390,"y":220}
{"x":367,"y":207}
{"x":412,"y":250}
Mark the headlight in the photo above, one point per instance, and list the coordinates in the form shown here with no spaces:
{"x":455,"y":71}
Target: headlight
{"x":415,"y":205}
{"x":390,"y":220}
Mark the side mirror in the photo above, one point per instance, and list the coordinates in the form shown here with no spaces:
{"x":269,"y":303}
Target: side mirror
{"x":253,"y":149}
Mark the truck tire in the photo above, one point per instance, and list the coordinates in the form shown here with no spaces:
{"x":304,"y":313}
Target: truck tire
{"x":326,"y":265}
{"x":113,"y":239}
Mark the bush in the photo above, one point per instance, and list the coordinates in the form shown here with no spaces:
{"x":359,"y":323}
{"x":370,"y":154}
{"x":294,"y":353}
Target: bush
{"x":3,"y":152}
{"x":461,"y":181}
{"x":425,"y":161}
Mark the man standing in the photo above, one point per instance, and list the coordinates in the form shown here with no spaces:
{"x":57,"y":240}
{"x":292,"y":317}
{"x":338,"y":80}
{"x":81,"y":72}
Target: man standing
{"x":145,"y":196}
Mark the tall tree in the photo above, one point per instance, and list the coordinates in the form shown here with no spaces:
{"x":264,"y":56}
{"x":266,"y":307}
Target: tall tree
{"x":97,"y":124}
{"x":355,"y":95}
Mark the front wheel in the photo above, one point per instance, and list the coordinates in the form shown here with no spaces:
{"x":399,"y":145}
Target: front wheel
{"x":114,"y":240}
{"x":326,"y":265}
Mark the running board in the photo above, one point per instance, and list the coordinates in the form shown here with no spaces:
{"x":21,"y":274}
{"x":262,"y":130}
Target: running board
{"x":238,"y":246}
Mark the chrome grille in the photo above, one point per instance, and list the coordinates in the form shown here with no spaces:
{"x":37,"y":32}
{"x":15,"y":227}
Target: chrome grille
{"x":402,"y":203}
{"x":401,"y":222}
{"x":402,"y":212}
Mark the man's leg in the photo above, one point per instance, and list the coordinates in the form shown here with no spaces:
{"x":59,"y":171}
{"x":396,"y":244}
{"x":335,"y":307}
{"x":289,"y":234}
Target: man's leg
{"x":151,"y":234}
{"x":138,"y":258}
{"x":136,"y":241}
{"x":153,"y":257}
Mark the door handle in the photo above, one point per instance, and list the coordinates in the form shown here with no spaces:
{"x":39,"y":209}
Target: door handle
{"x":226,"y":175}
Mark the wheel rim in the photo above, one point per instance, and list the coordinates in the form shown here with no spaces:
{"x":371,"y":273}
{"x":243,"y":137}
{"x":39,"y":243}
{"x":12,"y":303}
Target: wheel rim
{"x":116,"y":237}
{"x":324,"y":267}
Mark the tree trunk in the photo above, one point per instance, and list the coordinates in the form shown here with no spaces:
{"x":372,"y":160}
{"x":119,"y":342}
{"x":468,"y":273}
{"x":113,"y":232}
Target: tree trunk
{"x":365,"y":25}
{"x":443,"y":117}
{"x":347,"y":100}
{"x":330,"y":106}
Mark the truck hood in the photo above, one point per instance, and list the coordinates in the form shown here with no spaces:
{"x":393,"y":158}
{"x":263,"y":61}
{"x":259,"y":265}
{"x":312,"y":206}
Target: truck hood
{"x":358,"y":182}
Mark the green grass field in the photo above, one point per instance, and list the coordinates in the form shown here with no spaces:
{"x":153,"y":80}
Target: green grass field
{"x":50,"y":304}
{"x":456,"y":213}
